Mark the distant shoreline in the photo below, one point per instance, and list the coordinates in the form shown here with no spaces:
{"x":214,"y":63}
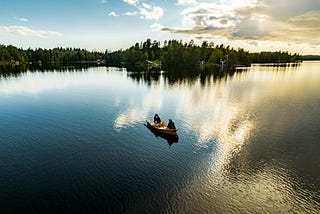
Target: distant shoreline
{"x":310,"y":57}
{"x":149,"y":55}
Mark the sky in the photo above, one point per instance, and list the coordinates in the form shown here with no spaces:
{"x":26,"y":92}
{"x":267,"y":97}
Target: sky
{"x":255,"y":25}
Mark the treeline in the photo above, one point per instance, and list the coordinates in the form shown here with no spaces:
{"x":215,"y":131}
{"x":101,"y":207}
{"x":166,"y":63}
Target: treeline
{"x":311,"y":57}
{"x":46,"y":57}
{"x":176,"y":54}
{"x":173,"y":54}
{"x":274,"y":57}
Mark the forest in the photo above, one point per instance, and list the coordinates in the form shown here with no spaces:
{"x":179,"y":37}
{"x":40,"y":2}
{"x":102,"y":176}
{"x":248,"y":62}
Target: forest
{"x":176,"y":54}
{"x":173,"y":54}
{"x":10,"y":55}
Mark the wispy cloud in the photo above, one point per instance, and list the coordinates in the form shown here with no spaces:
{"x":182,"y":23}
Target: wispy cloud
{"x":132,"y":2}
{"x":156,"y":27}
{"x":186,"y":2}
{"x":21,"y":19}
{"x":147,"y":11}
{"x":151,"y":12}
{"x":250,"y":20}
{"x":25,"y":31}
{"x":130,"y":13}
{"x":113,"y":14}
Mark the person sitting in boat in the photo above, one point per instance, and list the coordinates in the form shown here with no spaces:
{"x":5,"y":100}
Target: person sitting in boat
{"x":171,"y":124}
{"x":157,"y":120}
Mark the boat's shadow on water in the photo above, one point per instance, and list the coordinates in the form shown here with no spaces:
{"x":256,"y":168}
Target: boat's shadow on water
{"x":171,"y":139}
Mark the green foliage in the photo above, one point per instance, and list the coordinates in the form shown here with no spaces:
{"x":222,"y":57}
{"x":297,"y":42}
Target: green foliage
{"x":215,"y":56}
{"x":274,"y":57}
{"x":12,"y":54}
{"x":311,"y":57}
{"x":44,"y":57}
{"x":175,"y":55}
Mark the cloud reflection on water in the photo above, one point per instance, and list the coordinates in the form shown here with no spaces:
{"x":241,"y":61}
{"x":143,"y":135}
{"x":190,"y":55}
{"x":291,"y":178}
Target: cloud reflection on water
{"x":138,"y":112}
{"x":219,"y":118}
{"x":224,"y":116}
{"x":228,"y":114}
{"x":33,"y":83}
{"x":129,"y":118}
{"x":211,"y":111}
{"x":36,"y":82}
{"x":216,"y":114}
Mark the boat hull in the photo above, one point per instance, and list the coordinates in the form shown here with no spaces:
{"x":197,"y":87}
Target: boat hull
{"x":161,"y":129}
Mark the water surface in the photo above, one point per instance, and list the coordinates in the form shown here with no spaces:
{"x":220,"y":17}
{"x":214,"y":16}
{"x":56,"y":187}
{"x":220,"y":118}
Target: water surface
{"x":75,"y":141}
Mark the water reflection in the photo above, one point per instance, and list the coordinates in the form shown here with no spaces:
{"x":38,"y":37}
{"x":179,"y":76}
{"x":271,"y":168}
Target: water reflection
{"x":248,"y":137}
{"x":35,"y":82}
{"x":16,"y":70}
{"x":237,"y":117}
{"x":138,"y":110}
{"x":129,"y":118}
{"x":181,"y":76}
{"x":208,"y":107}
{"x":145,"y":77}
{"x":7,"y":70}
{"x":249,"y":163}
{"x":32,"y":83}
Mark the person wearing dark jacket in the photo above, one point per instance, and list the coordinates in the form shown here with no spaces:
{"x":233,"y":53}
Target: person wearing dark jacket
{"x":156,"y":119}
{"x":171,"y":124}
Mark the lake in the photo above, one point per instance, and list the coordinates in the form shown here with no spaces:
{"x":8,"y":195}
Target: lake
{"x":74,"y":141}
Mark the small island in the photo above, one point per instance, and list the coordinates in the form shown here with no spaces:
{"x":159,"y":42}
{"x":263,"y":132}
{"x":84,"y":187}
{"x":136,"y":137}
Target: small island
{"x":174,"y":54}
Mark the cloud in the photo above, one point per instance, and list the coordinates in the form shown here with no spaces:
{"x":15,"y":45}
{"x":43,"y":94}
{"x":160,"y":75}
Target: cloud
{"x":147,"y":11}
{"x":156,"y":27}
{"x":132,"y":2}
{"x":151,"y":12}
{"x":113,"y":14}
{"x":21,"y":19}
{"x":253,"y":20}
{"x":25,"y":31}
{"x":186,"y":2}
{"x":130,"y":13}
{"x":104,"y":1}
{"x":304,"y":28}
{"x":254,"y":43}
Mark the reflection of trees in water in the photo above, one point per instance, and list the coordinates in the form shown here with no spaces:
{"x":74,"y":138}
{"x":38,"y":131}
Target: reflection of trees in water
{"x":8,"y":70}
{"x":205,"y":75}
{"x":292,"y":64}
{"x":171,"y":77}
{"x":182,"y":76}
{"x":280,"y":67}
{"x":216,"y":73}
{"x":145,"y":77}
{"x":17,"y":70}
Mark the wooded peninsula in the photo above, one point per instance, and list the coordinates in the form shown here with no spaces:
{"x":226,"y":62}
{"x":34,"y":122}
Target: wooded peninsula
{"x":173,"y":54}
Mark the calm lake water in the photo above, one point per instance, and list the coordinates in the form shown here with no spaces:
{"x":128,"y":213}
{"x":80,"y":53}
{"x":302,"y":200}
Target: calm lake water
{"x":75,"y":141}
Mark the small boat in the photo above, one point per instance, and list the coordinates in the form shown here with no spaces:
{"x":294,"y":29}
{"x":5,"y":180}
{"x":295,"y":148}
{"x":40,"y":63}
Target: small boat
{"x":171,"y":138}
{"x":162,"y":128}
